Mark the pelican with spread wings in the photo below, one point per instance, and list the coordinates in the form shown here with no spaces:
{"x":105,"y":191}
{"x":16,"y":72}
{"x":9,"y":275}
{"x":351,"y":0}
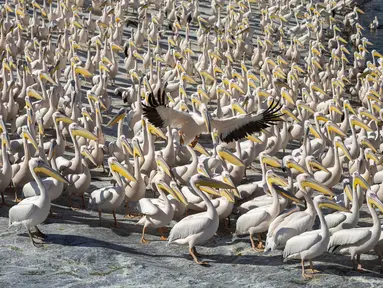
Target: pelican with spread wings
{"x":192,"y":124}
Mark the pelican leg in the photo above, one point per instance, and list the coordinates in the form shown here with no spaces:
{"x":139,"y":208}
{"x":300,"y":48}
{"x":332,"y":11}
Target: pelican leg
{"x":115,"y":219}
{"x":143,"y":240}
{"x":252,"y":242}
{"x":99,"y":215}
{"x":39,"y":234}
{"x":381,"y":264}
{"x":312,"y":268}
{"x":17,"y":199}
{"x":195,"y":252}
{"x":191,"y":251}
{"x":161,"y":231}
{"x":83,"y":201}
{"x":304,"y":275}
{"x":33,"y":241}
{"x":360,"y":267}
{"x":194,"y":142}
{"x":260,"y":246}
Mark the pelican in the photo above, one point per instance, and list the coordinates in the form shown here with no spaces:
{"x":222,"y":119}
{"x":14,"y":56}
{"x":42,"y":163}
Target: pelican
{"x":198,"y":228}
{"x":258,"y":220}
{"x":311,"y":244}
{"x":356,"y":241}
{"x":192,"y":125}
{"x":158,"y":214}
{"x":111,"y":197}
{"x":32,"y":211}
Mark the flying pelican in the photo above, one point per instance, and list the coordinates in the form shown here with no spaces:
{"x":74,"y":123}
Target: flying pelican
{"x":192,"y":124}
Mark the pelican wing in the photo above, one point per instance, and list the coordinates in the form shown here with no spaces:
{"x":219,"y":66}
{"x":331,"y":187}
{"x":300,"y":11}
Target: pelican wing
{"x":334,"y":219}
{"x":102,"y":195}
{"x":322,"y":176}
{"x":191,"y":225}
{"x":301,"y":243}
{"x":250,"y":219}
{"x":147,"y":207}
{"x":293,"y":228}
{"x":62,"y":163}
{"x":20,"y":213}
{"x":238,"y":127}
{"x":349,"y":237}
{"x":161,"y":115}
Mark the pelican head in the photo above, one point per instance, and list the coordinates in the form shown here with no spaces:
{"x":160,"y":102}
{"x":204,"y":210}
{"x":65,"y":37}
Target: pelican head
{"x":306,"y":181}
{"x":26,"y":134}
{"x":77,"y":130}
{"x":373,"y":200}
{"x":323,"y":202}
{"x":290,"y":163}
{"x":201,"y":180}
{"x":177,"y":194}
{"x":116,"y":167}
{"x":39,"y":166}
{"x":225,"y":154}
{"x":118,"y":117}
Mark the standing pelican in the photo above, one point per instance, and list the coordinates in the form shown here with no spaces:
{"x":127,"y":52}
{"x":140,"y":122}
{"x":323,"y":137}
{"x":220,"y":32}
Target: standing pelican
{"x":311,"y":244}
{"x":198,"y":228}
{"x":32,"y":211}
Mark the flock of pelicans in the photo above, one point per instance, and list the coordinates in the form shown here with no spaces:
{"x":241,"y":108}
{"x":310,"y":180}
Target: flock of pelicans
{"x":253,"y":90}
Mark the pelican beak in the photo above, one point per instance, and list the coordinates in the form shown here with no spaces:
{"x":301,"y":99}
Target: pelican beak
{"x":329,"y":204}
{"x":347,"y":191}
{"x":137,"y":151}
{"x":106,"y":60}
{"x":165,"y":167}
{"x":33,"y":93}
{"x":334,"y":128}
{"x":198,"y":147}
{"x":368,"y":144}
{"x":117,"y":167}
{"x":372,"y":156}
{"x":229,"y":197}
{"x":286,"y":194}
{"x":62,"y":118}
{"x":335,"y":109}
{"x":156,"y":131}
{"x":217,"y":70}
{"x":253,"y":138}
{"x":40,"y":126}
{"x":212,"y":183}
{"x":117,"y":48}
{"x":229,"y":157}
{"x":288,"y":97}
{"x":48,"y":78}
{"x":273,"y":178}
{"x":312,"y":183}
{"x":288,"y":113}
{"x":315,"y":164}
{"x":236,"y":87}
{"x":374,"y":200}
{"x":323,"y":118}
{"x":359,"y":10}
{"x":119,"y":116}
{"x":84,"y":72}
{"x":357,"y":122}
{"x":188,"y":79}
{"x":342,"y":40}
{"x":377,"y":54}
{"x":369,"y":115}
{"x":138,"y":56}
{"x":228,"y":181}
{"x":103,"y":67}
{"x":202,"y":170}
{"x":5,"y":140}
{"x":45,"y":169}
{"x":237,"y":107}
{"x":349,"y":107}
{"x":291,"y":164}
{"x":80,"y":131}
{"x":178,"y":195}
{"x":86,"y":153}
{"x":203,"y":93}
{"x":359,"y":180}
{"x":318,"y":89}
{"x":85,"y":113}
{"x":271,"y":161}
{"x":27,"y":135}
{"x":340,"y":145}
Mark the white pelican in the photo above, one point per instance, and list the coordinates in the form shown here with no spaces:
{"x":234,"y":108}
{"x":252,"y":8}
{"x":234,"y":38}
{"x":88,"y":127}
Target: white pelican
{"x":156,"y":213}
{"x":32,"y":211}
{"x":257,"y":220}
{"x":111,"y":197}
{"x":359,"y":240}
{"x":311,"y":244}
{"x":298,"y":222}
{"x":198,"y":228}
{"x":193,"y":124}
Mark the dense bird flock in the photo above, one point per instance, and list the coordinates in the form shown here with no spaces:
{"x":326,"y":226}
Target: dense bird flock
{"x":205,"y":98}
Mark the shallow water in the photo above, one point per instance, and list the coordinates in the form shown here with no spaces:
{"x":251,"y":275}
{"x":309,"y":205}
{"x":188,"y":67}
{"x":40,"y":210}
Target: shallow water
{"x":372,"y":9}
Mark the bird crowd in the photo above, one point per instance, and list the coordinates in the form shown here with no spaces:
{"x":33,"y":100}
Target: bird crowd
{"x":289,"y":90}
